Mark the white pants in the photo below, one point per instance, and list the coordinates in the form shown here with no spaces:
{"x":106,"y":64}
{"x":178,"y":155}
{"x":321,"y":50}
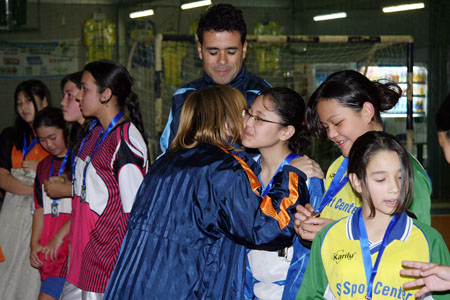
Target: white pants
{"x":71,"y":292}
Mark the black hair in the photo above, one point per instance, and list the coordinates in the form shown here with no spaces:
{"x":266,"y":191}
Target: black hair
{"x":290,"y":107}
{"x":53,"y":117}
{"x":362,"y":152}
{"x":222,"y":17}
{"x":74,"y":77}
{"x":443,"y":117}
{"x":112,"y":75}
{"x":351,"y":89}
{"x":30,"y":89}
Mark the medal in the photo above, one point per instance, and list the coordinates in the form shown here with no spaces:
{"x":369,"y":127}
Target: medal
{"x":54,"y":209}
{"x":83,"y":194}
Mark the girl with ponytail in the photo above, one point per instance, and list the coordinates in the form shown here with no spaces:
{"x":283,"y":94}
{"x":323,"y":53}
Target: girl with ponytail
{"x":108,"y":168}
{"x":344,"y":107}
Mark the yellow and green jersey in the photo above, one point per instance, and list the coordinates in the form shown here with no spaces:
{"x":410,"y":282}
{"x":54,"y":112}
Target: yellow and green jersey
{"x":336,"y":267}
{"x":346,"y":202}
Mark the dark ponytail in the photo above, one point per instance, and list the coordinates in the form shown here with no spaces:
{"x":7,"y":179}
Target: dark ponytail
{"x":290,"y":107}
{"x":351,"y":89}
{"x":112,"y":75}
{"x":135,"y":113}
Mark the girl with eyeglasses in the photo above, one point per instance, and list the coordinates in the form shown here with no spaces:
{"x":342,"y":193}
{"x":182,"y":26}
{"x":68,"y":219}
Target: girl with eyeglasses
{"x":274,"y":126}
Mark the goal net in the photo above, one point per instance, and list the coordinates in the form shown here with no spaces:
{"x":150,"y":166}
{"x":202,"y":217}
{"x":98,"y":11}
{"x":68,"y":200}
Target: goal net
{"x":298,"y":62}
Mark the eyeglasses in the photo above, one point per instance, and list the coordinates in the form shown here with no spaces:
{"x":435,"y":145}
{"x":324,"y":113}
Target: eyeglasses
{"x":258,"y":121}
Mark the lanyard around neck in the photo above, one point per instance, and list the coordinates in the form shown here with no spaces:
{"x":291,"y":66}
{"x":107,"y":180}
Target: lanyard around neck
{"x":74,"y":157}
{"x":26,"y":149}
{"x":370,"y":271}
{"x":102,"y":135}
{"x":339,"y":180}
{"x":286,"y":161}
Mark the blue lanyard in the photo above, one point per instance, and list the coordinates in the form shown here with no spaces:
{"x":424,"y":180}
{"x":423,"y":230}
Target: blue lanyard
{"x":286,"y":161}
{"x":371,"y":272}
{"x":74,"y":163}
{"x":61,"y":169}
{"x":336,"y":184}
{"x":111,"y":126}
{"x":25,"y":149}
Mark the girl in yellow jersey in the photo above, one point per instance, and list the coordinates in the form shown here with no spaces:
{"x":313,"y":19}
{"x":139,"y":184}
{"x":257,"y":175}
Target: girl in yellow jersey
{"x":342,"y":108}
{"x":360,"y":256}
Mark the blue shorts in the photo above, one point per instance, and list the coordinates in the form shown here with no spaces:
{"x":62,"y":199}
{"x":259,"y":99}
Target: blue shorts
{"x":53,"y":286}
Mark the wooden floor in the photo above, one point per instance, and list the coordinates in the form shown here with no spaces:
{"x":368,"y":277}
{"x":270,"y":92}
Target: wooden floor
{"x":442,"y":224}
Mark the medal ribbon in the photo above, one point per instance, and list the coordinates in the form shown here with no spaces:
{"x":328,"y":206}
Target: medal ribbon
{"x":74,"y":160}
{"x":25,"y":149}
{"x":110,"y":127}
{"x":371,"y":272}
{"x":338,"y":182}
{"x":286,"y":161}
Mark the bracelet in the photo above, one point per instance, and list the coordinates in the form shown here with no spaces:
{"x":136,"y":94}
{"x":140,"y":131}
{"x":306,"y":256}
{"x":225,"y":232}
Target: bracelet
{"x":58,"y":239}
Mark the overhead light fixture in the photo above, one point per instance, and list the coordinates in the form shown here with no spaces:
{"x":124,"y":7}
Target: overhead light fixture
{"x":195,"y":4}
{"x":142,"y":13}
{"x":330,"y":16}
{"x":403,"y":7}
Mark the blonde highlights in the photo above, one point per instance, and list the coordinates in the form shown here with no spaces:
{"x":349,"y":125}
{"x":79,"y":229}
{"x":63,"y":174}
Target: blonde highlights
{"x":212,"y":115}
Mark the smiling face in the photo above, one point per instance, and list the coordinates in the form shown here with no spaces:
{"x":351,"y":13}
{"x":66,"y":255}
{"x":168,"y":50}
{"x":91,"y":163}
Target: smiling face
{"x":52,"y":140}
{"x":343,"y":124}
{"x":25,"y":106}
{"x":260,"y":134}
{"x":70,"y":106}
{"x":222,"y":54}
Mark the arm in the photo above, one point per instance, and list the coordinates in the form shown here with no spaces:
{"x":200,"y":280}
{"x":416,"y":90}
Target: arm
{"x":432,"y":277}
{"x":264,"y":223}
{"x":58,"y":187}
{"x":36,"y":232}
{"x":51,"y":249}
{"x":12,"y":185}
{"x":315,"y":281}
{"x":421,"y":204}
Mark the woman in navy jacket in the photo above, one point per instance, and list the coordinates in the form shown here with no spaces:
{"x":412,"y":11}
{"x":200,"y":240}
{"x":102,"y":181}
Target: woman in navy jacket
{"x":199,"y":207}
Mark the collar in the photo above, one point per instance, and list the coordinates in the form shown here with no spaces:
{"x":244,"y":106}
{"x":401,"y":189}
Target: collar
{"x":234,"y":83}
{"x":401,"y":230}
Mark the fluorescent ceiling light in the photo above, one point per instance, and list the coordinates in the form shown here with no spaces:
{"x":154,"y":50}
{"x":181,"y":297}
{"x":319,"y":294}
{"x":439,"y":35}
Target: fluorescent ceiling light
{"x":403,"y":7}
{"x":142,"y":13}
{"x":195,"y":4}
{"x":330,"y":16}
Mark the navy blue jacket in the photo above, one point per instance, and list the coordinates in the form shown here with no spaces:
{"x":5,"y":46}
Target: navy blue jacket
{"x":249,"y":84}
{"x":194,"y":215}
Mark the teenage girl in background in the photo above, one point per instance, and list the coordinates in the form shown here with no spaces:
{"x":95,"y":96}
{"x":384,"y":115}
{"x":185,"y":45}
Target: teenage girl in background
{"x":274,"y":125}
{"x":109,"y":167}
{"x":343,"y":108}
{"x":360,"y":256}
{"x":20,"y":153}
{"x":49,"y":246}
{"x":78,"y":126}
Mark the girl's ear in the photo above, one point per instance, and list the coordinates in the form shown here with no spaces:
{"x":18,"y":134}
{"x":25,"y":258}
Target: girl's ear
{"x":106,"y":95}
{"x":355,"y":182}
{"x":368,"y":111}
{"x":44,"y":102}
{"x":287,"y":133}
